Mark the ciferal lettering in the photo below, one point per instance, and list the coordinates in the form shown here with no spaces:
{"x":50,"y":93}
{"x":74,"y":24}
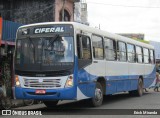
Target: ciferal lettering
{"x":48,"y":30}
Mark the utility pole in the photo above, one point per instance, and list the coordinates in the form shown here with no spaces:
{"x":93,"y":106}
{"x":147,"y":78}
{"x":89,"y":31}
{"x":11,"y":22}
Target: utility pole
{"x":99,"y":26}
{"x":63,"y":10}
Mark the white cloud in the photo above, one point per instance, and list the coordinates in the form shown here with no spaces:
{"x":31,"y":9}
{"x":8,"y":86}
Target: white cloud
{"x":118,"y":19}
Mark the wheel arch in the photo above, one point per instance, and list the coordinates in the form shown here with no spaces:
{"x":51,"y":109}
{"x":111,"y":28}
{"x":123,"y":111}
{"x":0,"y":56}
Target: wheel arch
{"x":102,"y":81}
{"x":141,"y":77}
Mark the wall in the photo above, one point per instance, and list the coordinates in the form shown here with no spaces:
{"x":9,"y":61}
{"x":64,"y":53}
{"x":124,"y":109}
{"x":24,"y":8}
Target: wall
{"x":77,"y":12}
{"x":27,"y":11}
{"x":33,"y":11}
{"x":68,"y":6}
{"x":9,"y":30}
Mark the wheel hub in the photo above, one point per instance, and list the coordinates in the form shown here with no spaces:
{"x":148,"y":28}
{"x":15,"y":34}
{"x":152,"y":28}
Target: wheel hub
{"x":98,"y":94}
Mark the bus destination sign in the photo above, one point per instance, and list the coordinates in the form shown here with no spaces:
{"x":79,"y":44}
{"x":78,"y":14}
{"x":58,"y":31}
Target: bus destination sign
{"x":49,"y":30}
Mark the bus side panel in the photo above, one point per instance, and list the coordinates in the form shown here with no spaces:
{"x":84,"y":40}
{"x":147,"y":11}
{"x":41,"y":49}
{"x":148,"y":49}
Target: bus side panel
{"x":87,"y":77}
{"x":98,"y":68}
{"x":116,"y":85}
{"x":149,"y":77}
{"x":123,"y":84}
{"x":117,"y":76}
{"x":86,"y":87}
{"x":111,"y":87}
{"x":134,"y":84}
{"x":116,"y":81}
{"x":135,"y":70}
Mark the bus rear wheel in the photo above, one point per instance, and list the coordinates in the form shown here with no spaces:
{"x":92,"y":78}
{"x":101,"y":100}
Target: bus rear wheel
{"x":50,"y":104}
{"x":98,"y":98}
{"x":139,"y":91}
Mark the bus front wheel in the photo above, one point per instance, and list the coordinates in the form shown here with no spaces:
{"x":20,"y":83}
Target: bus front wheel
{"x":50,"y":104}
{"x":98,"y":97}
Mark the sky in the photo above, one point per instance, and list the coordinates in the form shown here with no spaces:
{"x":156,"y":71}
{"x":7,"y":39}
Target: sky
{"x":126,"y":16}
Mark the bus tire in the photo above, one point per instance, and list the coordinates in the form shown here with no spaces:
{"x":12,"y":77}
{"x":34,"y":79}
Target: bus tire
{"x":98,"y":98}
{"x":50,"y":104}
{"x":28,"y":102}
{"x":132,"y":93}
{"x":139,"y":91}
{"x":6,"y":103}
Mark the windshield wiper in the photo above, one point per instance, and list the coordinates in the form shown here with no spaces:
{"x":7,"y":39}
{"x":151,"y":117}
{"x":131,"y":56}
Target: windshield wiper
{"x":32,"y":48}
{"x":52,"y":41}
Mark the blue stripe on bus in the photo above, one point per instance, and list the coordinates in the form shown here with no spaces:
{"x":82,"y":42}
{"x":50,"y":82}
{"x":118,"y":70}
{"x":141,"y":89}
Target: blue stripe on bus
{"x":113,"y":83}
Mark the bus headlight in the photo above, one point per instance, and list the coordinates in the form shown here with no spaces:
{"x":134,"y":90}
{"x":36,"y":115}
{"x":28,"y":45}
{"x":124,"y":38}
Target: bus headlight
{"x":69,"y":82}
{"x":17,"y":82}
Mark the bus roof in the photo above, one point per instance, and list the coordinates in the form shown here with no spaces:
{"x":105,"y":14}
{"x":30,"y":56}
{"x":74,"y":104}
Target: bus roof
{"x":92,"y":30}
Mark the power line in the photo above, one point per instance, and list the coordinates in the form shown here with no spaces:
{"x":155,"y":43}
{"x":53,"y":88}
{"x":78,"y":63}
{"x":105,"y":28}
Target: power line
{"x":122,"y":5}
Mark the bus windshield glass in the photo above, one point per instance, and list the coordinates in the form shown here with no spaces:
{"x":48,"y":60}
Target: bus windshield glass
{"x":44,"y":51}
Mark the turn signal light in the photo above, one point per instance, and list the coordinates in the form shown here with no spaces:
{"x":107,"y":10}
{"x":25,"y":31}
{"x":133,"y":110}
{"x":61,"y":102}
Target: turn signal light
{"x":17,"y":82}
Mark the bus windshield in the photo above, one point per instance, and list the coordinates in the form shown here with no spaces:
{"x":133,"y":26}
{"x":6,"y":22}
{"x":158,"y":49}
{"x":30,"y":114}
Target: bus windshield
{"x":44,"y":51}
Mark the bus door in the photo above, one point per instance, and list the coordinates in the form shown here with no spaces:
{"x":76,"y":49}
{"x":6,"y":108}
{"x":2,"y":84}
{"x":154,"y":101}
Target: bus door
{"x":85,"y":86}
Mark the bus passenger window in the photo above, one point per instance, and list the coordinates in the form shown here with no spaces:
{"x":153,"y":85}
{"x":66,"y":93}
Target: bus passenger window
{"x":122,"y":53}
{"x":131,"y":53}
{"x":110,"y":49}
{"x":139,"y":54}
{"x":97,"y":43}
{"x":83,"y":47}
{"x":152,"y":57}
{"x":146,"y":55}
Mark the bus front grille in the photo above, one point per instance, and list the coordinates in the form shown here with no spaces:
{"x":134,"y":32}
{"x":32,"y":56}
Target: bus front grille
{"x":42,"y":83}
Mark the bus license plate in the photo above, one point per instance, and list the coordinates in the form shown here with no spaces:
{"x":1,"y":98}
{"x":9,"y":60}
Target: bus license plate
{"x":40,"y":91}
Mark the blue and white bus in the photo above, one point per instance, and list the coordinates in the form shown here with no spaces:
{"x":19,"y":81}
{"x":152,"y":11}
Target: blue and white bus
{"x":70,"y":61}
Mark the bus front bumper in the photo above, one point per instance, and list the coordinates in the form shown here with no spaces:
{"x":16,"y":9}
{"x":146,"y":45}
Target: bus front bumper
{"x":51,"y":94}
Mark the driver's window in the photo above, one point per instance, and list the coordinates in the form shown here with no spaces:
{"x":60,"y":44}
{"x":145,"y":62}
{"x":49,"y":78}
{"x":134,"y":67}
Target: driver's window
{"x":83,"y":47}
